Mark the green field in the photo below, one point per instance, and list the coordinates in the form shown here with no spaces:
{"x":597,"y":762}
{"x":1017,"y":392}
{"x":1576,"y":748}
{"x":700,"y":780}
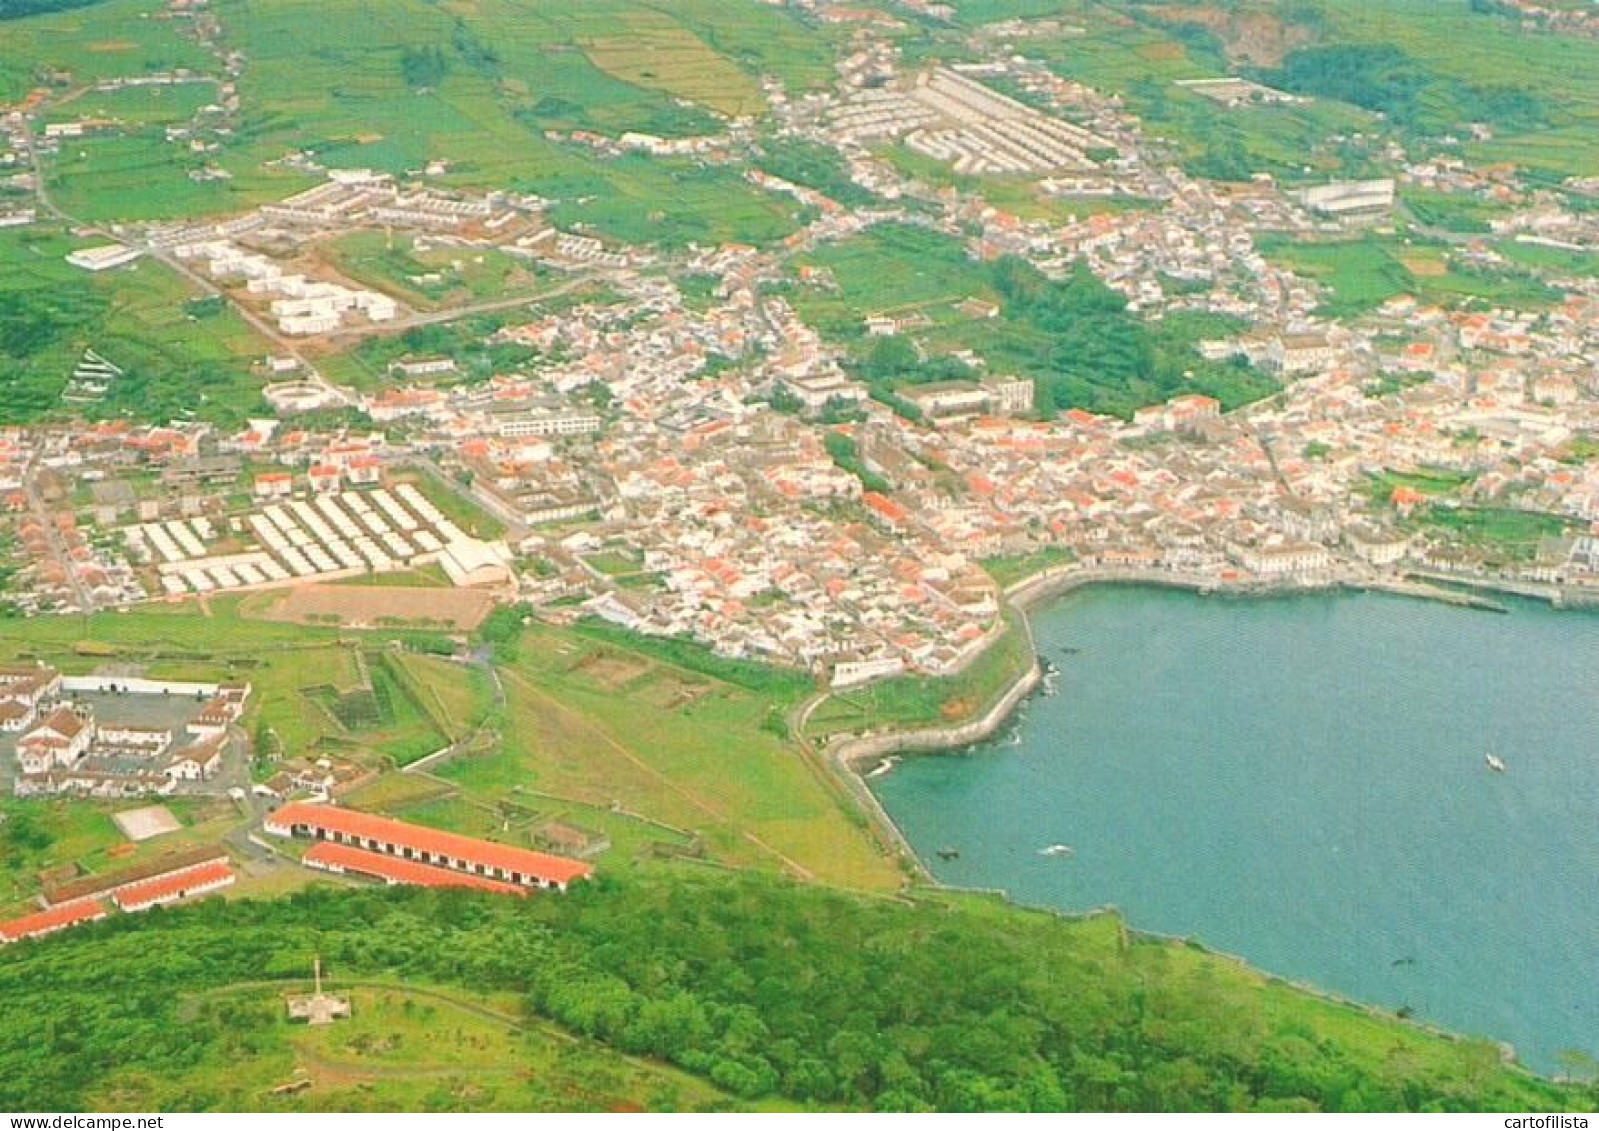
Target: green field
{"x":751,"y":938}
{"x":1008,"y":570}
{"x":585,"y":721}
{"x":309,"y":694}
{"x":435,"y":278}
{"x":1503,"y":536}
{"x":178,"y":363}
{"x":138,"y":105}
{"x":37,"y":838}
{"x":1464,"y":50}
{"x":650,"y":50}
{"x":106,"y":41}
{"x":1363,"y":273}
{"x":339,"y":80}
{"x":605,"y":725}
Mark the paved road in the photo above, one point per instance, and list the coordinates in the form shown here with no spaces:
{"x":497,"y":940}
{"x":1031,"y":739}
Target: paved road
{"x":488,"y":306}
{"x":58,"y":547}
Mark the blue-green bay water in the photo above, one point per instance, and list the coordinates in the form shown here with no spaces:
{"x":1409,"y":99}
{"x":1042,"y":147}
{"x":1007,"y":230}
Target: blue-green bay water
{"x":1302,"y":782}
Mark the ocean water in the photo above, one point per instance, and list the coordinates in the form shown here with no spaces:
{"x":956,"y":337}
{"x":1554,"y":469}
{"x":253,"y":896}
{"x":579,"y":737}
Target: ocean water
{"x":1302,"y":782}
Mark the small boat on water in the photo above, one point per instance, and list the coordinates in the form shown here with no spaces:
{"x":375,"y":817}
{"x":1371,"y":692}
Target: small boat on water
{"x":1496,"y":763}
{"x":1056,"y":850}
{"x":883,"y":767}
{"x":949,"y":853}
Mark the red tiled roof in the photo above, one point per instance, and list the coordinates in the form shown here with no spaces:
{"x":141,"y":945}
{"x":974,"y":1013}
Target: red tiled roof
{"x":556,"y":869}
{"x":64,"y":721}
{"x":885,"y":506}
{"x":43,"y":922}
{"x":171,"y":884}
{"x":94,"y":886}
{"x":327,"y":854}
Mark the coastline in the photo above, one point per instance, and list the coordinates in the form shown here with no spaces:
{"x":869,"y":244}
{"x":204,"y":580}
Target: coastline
{"x":854,"y":755}
{"x":849,"y":755}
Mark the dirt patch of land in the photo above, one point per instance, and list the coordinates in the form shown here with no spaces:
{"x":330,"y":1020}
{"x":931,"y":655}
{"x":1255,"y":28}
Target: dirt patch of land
{"x":609,"y":671}
{"x":1247,"y":37}
{"x":1423,"y":267}
{"x":1161,"y":52}
{"x":143,"y":824}
{"x":378,"y":606}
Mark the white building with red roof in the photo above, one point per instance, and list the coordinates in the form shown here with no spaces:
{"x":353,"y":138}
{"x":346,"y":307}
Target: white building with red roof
{"x":48,"y":922}
{"x":400,"y":840}
{"x":174,"y":886}
{"x":59,"y":740}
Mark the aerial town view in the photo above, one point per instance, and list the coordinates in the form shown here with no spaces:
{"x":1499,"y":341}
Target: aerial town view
{"x":799,"y":555}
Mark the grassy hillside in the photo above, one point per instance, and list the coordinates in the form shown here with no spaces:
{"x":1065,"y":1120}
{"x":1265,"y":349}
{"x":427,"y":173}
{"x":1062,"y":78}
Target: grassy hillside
{"x":653,"y":746}
{"x":763,"y":992}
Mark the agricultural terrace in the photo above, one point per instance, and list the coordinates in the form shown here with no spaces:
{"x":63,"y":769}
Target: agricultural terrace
{"x":103,"y":41}
{"x":652,"y":51}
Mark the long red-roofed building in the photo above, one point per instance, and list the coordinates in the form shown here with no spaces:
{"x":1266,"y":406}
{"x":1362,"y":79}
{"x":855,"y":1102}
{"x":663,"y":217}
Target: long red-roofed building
{"x":48,"y":922}
{"x":341,"y":858}
{"x":520,"y":867}
{"x":173,"y":887}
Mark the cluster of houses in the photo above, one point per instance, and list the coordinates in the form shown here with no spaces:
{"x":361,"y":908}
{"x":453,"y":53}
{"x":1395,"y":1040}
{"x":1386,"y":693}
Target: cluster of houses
{"x":772,"y":509}
{"x":63,"y":748}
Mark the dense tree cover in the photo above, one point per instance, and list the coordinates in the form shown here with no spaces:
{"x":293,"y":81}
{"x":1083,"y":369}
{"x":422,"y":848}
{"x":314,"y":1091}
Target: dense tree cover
{"x":768,"y":988}
{"x":1384,"y":78}
{"x":44,"y":328}
{"x":1094,"y":353}
{"x":1079,"y":342}
{"x":31,"y":323}
{"x":814,"y":166}
{"x":895,"y":360}
{"x":1378,"y":77}
{"x":423,"y":67}
{"x":846,"y":455}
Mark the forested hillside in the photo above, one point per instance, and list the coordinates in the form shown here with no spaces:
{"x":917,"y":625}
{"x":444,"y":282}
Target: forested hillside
{"x":773,"y":992}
